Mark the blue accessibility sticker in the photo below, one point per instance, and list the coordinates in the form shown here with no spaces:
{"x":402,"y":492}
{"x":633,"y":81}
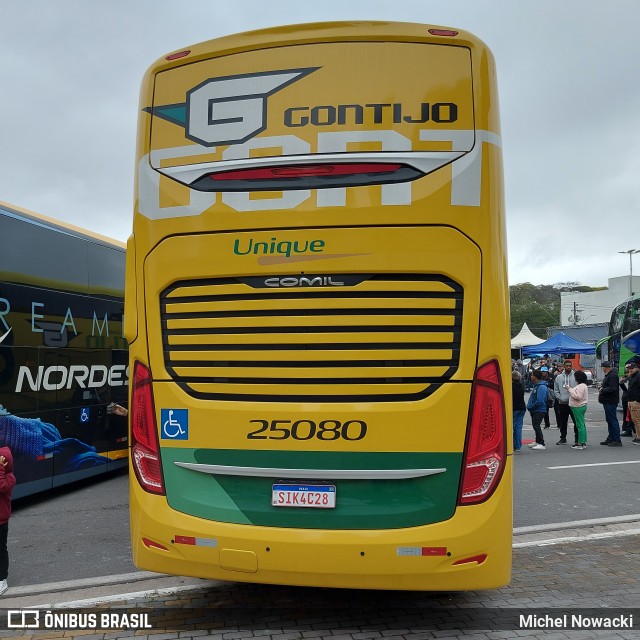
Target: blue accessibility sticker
{"x":175,"y":424}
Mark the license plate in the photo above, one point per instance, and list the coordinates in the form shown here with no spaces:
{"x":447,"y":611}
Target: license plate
{"x":321,"y":496}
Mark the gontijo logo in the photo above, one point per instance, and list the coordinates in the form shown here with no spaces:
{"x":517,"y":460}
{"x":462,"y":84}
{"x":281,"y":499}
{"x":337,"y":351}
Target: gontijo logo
{"x":230,"y":109}
{"x":233,"y":109}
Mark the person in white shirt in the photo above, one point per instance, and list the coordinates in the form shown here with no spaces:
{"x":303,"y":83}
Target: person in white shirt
{"x":567,"y":377}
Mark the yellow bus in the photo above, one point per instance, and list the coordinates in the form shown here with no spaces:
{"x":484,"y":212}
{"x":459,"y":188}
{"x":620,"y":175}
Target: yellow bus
{"x":317,"y":311}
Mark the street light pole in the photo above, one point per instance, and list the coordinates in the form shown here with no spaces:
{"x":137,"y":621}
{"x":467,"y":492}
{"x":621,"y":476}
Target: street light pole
{"x":630,"y":252}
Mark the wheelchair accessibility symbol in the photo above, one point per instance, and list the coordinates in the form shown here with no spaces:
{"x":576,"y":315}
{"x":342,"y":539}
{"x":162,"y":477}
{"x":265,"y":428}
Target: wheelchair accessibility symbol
{"x":85,"y":413}
{"x":175,"y":424}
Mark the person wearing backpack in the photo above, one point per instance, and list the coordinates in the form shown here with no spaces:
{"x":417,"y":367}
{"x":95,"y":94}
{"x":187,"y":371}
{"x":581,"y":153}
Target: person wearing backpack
{"x":537,"y":407}
{"x":551,"y":397}
{"x":548,"y":380}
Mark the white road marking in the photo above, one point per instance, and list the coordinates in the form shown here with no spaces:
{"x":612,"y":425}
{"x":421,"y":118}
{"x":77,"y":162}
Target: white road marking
{"x":595,"y":464}
{"x":577,"y":538}
{"x":576,"y":524}
{"x":120,"y":597}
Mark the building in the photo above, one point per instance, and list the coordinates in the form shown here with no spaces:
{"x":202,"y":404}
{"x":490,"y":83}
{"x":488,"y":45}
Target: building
{"x":585,"y":316}
{"x":594,"y":307}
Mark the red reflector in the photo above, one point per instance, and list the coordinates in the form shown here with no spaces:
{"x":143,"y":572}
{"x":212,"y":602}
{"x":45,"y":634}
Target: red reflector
{"x":479,"y":559}
{"x":306,"y":170}
{"x":150,"y":544}
{"x":475,"y":477}
{"x":180,"y":54}
{"x":442,"y":32}
{"x":489,"y":373}
{"x":185,"y":540}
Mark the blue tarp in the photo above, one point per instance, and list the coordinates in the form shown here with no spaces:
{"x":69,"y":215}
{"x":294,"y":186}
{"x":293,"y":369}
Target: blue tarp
{"x":559,"y":344}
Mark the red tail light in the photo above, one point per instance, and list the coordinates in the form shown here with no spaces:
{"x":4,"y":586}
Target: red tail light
{"x":485,"y":450}
{"x":145,"y":451}
{"x":306,"y":170}
{"x":306,"y":176}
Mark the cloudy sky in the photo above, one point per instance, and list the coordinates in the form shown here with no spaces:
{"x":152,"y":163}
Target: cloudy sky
{"x":569,"y":81}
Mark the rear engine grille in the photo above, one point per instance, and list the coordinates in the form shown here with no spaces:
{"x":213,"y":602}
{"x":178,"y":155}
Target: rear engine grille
{"x":345,"y":338}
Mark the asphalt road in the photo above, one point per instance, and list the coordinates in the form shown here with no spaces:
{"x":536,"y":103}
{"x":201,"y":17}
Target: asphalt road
{"x":561,"y":484}
{"x":83,"y":531}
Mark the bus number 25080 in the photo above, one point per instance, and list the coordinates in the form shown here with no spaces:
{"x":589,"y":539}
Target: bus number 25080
{"x":308,"y":430}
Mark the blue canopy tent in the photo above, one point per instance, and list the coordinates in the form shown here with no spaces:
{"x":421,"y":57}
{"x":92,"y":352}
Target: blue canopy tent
{"x":559,"y":344}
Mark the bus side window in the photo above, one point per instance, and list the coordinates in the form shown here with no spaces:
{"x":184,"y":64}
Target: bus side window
{"x":617,"y":319}
{"x":633,"y":317}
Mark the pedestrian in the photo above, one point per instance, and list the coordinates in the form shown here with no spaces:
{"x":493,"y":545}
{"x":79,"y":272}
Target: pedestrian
{"x":527,"y":377}
{"x":545,"y":378}
{"x":627,"y":425}
{"x":537,"y":405}
{"x":608,"y":397}
{"x":558,"y":369}
{"x":7,"y":482}
{"x":578,"y":396}
{"x":551,"y":378}
{"x":633,"y":398}
{"x":519,"y":408}
{"x":567,"y":377}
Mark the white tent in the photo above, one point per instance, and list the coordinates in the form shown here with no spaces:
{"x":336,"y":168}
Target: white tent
{"x":525,"y":338}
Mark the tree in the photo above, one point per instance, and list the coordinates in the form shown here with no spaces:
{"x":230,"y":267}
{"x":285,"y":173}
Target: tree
{"x":539,"y":305}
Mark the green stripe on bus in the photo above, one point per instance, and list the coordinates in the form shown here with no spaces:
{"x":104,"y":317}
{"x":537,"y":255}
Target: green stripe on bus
{"x":360,"y":504}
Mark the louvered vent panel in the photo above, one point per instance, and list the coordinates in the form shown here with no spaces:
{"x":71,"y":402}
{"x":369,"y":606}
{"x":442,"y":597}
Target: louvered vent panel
{"x":347,"y":338}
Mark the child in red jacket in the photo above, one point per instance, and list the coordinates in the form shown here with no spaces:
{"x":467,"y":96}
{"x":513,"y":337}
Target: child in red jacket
{"x":7,"y":482}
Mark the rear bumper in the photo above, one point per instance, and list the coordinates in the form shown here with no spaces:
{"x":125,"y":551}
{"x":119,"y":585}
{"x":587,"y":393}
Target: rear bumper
{"x":477,"y":537}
